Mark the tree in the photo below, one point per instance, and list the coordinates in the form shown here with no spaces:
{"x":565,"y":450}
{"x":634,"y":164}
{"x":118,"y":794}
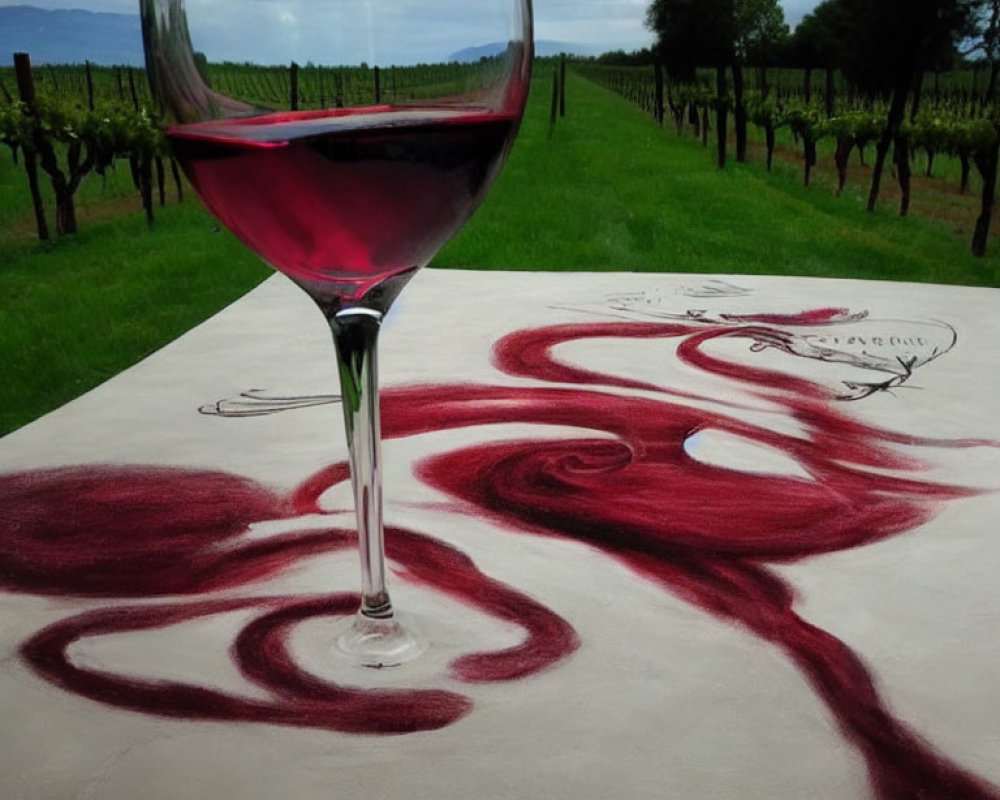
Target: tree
{"x":982,"y":37}
{"x":715,"y":33}
{"x":764,"y":37}
{"x":890,"y":41}
{"x":903,"y":39}
{"x":818,"y":44}
{"x":691,"y":34}
{"x":619,"y":58}
{"x":759,"y":29}
{"x":885,"y":50}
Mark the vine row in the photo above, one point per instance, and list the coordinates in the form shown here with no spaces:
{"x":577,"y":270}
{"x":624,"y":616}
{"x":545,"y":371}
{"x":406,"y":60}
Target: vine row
{"x":955,"y":123}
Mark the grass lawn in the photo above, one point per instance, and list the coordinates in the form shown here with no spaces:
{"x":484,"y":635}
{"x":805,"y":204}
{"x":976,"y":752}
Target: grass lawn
{"x":612,"y":191}
{"x":80,"y":309}
{"x":608,"y":191}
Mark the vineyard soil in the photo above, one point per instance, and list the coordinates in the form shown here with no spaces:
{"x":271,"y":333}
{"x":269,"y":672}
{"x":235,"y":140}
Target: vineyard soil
{"x":934,"y":198}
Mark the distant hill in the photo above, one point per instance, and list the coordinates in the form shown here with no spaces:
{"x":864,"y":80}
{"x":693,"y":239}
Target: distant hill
{"x":70,"y":36}
{"x":543,"y":47}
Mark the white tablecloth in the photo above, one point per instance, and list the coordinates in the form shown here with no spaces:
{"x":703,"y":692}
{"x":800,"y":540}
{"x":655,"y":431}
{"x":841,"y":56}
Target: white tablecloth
{"x":749,"y":522}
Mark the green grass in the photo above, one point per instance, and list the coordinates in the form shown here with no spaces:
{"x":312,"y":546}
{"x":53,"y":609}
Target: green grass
{"x":608,"y":191}
{"x":612,"y":191}
{"x":80,"y":309}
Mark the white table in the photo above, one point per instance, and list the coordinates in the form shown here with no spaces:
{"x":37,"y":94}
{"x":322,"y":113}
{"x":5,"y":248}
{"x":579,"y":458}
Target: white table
{"x":739,"y":586}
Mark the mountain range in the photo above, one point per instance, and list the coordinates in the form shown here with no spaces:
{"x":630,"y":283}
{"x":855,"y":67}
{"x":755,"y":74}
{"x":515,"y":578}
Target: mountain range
{"x":543,"y":47}
{"x":70,"y":36}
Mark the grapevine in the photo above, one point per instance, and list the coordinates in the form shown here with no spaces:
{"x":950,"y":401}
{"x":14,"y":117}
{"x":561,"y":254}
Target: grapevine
{"x":954,"y":121}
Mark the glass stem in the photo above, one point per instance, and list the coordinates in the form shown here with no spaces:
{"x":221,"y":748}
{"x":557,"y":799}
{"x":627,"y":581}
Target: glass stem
{"x":355,"y":334}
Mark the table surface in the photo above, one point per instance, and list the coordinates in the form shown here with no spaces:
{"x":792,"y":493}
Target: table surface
{"x":681,"y":536}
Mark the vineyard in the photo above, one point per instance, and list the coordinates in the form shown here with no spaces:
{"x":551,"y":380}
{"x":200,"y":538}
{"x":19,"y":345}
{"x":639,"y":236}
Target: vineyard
{"x":313,"y":87}
{"x":62,"y":123}
{"x":66,"y":122}
{"x":948,"y":119}
{"x":605,"y":189}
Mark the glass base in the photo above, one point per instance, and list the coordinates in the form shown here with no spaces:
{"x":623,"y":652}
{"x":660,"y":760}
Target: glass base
{"x":379,"y":643}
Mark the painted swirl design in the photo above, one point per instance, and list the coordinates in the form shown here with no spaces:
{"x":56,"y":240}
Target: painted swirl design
{"x":627,"y":485}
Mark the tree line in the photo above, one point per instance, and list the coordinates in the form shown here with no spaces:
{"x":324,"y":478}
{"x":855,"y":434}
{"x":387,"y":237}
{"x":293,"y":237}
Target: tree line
{"x":882,"y":49}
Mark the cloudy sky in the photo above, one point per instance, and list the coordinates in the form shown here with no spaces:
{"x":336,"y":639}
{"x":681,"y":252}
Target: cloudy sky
{"x":432,"y":30}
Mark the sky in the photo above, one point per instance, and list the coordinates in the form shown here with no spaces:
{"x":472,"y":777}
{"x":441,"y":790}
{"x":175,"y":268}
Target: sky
{"x":435,"y":29}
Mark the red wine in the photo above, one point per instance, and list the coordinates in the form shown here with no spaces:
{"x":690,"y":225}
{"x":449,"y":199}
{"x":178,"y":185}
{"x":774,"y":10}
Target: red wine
{"x":346,"y":197}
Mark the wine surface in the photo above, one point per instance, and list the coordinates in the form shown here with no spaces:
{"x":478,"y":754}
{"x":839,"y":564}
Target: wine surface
{"x":345,"y":198}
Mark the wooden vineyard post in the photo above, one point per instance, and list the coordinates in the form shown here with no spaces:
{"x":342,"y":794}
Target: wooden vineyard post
{"x":901,"y":158}
{"x":555,"y":101}
{"x":986,"y":160}
{"x":145,"y":170}
{"x":25,"y":79}
{"x":141,"y":165}
{"x":658,"y":100}
{"x":739,"y":111}
{"x":26,"y":92}
{"x":378,"y":85}
{"x":845,"y":144}
{"x":720,"y":115}
{"x":293,"y":83}
{"x":829,"y":94}
{"x":90,"y":85}
{"x":562,"y":85}
{"x":132,"y":90}
{"x":161,"y":181}
{"x":175,"y":173}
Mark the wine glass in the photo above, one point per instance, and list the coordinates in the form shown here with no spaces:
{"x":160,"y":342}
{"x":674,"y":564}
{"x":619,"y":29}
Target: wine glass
{"x":344,"y":141}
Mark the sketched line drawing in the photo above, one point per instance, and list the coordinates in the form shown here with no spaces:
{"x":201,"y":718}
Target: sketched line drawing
{"x":894,"y":348}
{"x":255,"y":403}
